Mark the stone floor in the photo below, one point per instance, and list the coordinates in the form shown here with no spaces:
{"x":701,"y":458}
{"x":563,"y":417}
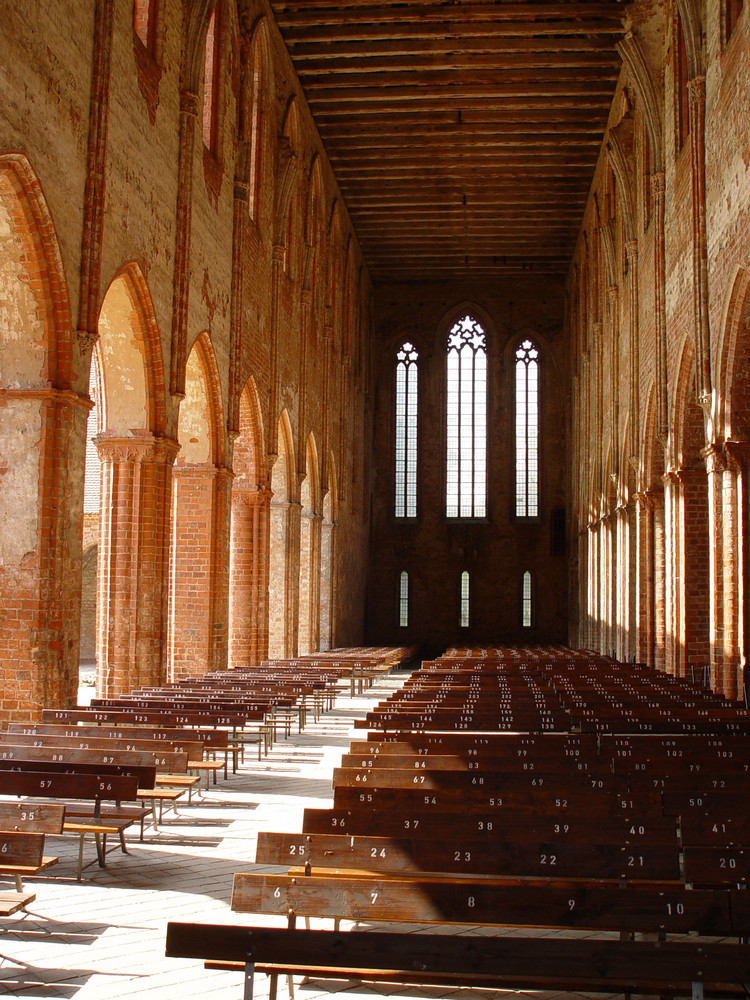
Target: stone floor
{"x":103,"y":938}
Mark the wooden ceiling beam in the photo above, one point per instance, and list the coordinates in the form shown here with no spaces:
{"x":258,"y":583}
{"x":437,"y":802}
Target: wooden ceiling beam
{"x":337,"y":13}
{"x":355,"y":30}
{"x":497,"y":45}
{"x":455,"y":62}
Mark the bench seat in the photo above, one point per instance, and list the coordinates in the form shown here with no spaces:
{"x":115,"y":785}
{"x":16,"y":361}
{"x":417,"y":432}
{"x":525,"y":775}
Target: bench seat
{"x":453,"y":960}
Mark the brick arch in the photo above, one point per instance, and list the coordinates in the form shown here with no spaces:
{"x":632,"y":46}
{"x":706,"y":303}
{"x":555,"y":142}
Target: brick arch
{"x":249,"y":448}
{"x":40,"y":267}
{"x":137,"y":310}
{"x":312,"y":476}
{"x":687,"y":433}
{"x":732,"y":395}
{"x":202,"y":365}
{"x":283,"y":472}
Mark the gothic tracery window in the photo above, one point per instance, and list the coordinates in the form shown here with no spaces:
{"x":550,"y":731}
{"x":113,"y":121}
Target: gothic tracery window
{"x":466,"y":460}
{"x":406,"y":431}
{"x":527,"y":430}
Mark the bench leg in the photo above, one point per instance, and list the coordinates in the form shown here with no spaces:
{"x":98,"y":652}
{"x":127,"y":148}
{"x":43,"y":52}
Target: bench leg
{"x":19,"y":883}
{"x":80,"y":856}
{"x":249,"y":976}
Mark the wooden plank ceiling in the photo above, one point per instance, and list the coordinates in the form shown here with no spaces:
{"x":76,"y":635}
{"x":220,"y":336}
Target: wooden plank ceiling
{"x":464,"y":135}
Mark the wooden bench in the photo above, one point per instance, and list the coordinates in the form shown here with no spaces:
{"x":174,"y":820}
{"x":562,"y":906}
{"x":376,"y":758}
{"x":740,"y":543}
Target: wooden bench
{"x":85,"y":793}
{"x":682,"y":968}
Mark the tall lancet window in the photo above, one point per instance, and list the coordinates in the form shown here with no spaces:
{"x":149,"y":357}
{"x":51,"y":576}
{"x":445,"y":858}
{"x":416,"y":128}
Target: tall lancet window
{"x":406,"y":431}
{"x":403,"y":599}
{"x":527,"y":430}
{"x":463,"y":617}
{"x":526,"y":600}
{"x":466,"y":460}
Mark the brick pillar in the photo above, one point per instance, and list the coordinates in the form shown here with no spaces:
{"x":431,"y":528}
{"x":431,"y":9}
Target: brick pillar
{"x":199,"y":580}
{"x":736,"y":563}
{"x":133,"y":556}
{"x":294,"y":515}
{"x":723,"y":559}
{"x":660,"y":582}
{"x":40,"y":548}
{"x":694,"y":578}
{"x":309,"y":601}
{"x":327,"y":542}
{"x":644,"y":577}
{"x":248,"y":617}
{"x":622,"y":584}
{"x":592,"y":603}
{"x":673,"y":577}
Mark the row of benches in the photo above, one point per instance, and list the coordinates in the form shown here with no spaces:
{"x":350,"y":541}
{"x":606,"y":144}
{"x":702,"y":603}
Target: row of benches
{"x":644,"y":836}
{"x":117,"y":765}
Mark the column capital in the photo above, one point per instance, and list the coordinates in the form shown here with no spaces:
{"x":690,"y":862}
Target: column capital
{"x":631,"y":250}
{"x":715,"y":458}
{"x":737,"y":454}
{"x":697,"y":90}
{"x":114,"y":448}
{"x":189,"y":103}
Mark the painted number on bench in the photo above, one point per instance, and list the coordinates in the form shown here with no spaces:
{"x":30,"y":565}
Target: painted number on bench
{"x":297,"y":849}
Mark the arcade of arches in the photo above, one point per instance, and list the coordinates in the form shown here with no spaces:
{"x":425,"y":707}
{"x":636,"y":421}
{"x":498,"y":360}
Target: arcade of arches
{"x":201,"y":446}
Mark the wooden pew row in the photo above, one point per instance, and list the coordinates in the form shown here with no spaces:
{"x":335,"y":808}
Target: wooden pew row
{"x":85,"y":794}
{"x":452,"y":961}
{"x":213,"y":741}
{"x":171,"y":768}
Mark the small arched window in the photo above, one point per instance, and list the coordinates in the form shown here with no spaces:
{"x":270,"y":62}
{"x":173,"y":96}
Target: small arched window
{"x":211,"y":77}
{"x":466,"y":399}
{"x":527,"y":430}
{"x":406,"y":431}
{"x":526,"y":606}
{"x":463,"y":619}
{"x":403,"y":599}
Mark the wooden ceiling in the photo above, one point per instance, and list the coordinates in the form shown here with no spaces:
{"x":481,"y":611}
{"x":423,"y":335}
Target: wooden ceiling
{"x":464,"y":135}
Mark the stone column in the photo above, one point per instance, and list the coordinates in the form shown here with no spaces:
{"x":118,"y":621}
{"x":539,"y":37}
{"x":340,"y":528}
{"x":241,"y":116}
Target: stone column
{"x":716,"y":467}
{"x":133,"y":561}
